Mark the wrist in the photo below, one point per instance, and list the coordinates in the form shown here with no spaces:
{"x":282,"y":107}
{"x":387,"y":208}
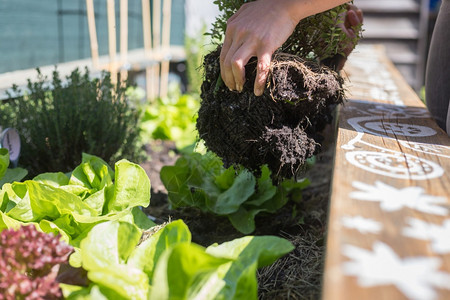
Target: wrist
{"x":298,"y":9}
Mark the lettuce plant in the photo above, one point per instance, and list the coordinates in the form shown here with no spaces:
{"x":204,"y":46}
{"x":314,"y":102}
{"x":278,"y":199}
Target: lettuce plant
{"x":172,"y":118}
{"x":201,"y":181}
{"x":168,"y":266}
{"x":8,"y":175}
{"x":72,"y":204}
{"x":95,"y":209}
{"x":29,"y":264}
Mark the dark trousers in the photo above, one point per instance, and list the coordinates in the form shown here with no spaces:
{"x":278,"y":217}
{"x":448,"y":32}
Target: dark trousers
{"x":437,"y":81}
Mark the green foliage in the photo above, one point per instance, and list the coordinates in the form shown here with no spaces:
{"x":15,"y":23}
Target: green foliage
{"x":201,"y":181}
{"x":72,"y":204}
{"x":60,"y":119}
{"x":9,"y":175}
{"x":168,"y":266}
{"x":95,"y":210}
{"x":172,"y":118}
{"x":316,"y":37}
{"x":196,"y":48}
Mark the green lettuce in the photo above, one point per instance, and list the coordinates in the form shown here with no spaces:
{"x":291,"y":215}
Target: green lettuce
{"x":172,"y":118}
{"x":72,"y":204}
{"x":8,"y":175}
{"x":120,"y":264}
{"x":201,"y":181}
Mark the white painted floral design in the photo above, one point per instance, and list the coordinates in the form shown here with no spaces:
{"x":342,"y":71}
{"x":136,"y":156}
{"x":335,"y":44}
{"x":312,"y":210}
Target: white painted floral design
{"x":393,"y":199}
{"x":363,"y":225}
{"x":396,"y":165}
{"x":400,"y":129}
{"x":415,"y":277}
{"x":437,"y":234}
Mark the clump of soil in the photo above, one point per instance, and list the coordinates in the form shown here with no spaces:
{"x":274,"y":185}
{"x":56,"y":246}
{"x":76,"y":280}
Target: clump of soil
{"x":279,"y":128}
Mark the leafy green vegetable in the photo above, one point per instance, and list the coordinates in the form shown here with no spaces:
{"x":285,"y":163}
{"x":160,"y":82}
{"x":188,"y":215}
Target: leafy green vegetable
{"x":72,"y":204}
{"x":172,"y":118}
{"x":9,"y":175}
{"x":147,"y":254}
{"x":202,"y":181}
{"x":96,"y":210}
{"x":168,"y":266}
{"x":4,"y":161}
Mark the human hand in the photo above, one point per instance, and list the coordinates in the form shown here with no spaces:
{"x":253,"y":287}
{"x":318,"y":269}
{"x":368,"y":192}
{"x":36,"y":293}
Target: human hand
{"x":353,"y":17}
{"x":257,"y":29}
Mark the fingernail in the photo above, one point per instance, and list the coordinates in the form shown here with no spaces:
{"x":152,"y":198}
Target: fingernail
{"x":259,"y":92}
{"x":239,"y":88}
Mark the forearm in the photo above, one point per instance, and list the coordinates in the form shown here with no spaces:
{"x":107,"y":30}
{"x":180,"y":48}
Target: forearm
{"x":300,"y":9}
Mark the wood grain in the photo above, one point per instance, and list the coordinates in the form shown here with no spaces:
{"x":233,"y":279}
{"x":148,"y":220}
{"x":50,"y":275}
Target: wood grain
{"x":390,"y":182}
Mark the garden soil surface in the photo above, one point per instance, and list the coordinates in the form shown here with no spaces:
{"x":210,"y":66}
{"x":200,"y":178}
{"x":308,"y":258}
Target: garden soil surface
{"x":298,"y":275}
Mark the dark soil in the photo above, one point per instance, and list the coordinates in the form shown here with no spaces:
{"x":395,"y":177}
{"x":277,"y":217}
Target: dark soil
{"x":296,"y":276}
{"x":279,"y":128}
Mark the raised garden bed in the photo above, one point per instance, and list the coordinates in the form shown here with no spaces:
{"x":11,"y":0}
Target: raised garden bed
{"x":299,"y":274}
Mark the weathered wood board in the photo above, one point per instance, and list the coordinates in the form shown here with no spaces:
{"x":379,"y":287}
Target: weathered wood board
{"x":389,"y":222}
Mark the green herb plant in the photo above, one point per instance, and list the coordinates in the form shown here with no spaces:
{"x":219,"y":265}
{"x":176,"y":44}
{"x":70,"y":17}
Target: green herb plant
{"x":315,"y":37}
{"x":59,"y":119}
{"x":196,"y":48}
{"x":201,"y":181}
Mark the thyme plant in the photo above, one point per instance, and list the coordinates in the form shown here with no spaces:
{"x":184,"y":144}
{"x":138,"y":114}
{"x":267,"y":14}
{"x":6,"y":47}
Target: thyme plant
{"x":315,"y":37}
{"x":59,"y":119}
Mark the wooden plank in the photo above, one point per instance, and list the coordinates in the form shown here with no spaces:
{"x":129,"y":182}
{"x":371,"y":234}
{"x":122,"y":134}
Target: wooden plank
{"x":137,"y":59}
{"x":389,"y":223}
{"x":390,"y":27}
{"x":388,"y":6}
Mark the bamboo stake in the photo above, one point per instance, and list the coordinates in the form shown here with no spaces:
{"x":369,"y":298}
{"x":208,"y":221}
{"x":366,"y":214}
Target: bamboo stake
{"x":92,"y":33}
{"x":156,"y":45}
{"x":146,"y":26}
{"x":167,"y":13}
{"x":123,"y":39}
{"x":112,"y":39}
{"x":146,"y":30}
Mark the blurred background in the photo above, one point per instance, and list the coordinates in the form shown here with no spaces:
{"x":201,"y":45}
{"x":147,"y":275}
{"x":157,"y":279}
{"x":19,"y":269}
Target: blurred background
{"x":49,"y":32}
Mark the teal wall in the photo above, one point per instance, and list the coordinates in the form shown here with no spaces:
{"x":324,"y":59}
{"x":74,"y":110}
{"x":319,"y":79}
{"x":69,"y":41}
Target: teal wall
{"x":44,"y":32}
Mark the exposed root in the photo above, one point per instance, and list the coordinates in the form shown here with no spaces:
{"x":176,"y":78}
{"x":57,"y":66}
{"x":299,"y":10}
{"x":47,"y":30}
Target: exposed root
{"x":278,"y":128}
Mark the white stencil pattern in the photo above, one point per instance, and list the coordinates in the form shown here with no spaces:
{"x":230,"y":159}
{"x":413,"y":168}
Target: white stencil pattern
{"x":363,"y":225}
{"x":397,"y":165}
{"x":438,"y":235}
{"x":385,"y":161}
{"x":401,"y":129}
{"x":415,"y":277}
{"x":393,"y":199}
{"x":432,"y":149}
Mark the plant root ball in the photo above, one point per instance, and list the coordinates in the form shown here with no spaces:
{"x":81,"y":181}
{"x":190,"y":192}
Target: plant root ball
{"x":278,"y":128}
